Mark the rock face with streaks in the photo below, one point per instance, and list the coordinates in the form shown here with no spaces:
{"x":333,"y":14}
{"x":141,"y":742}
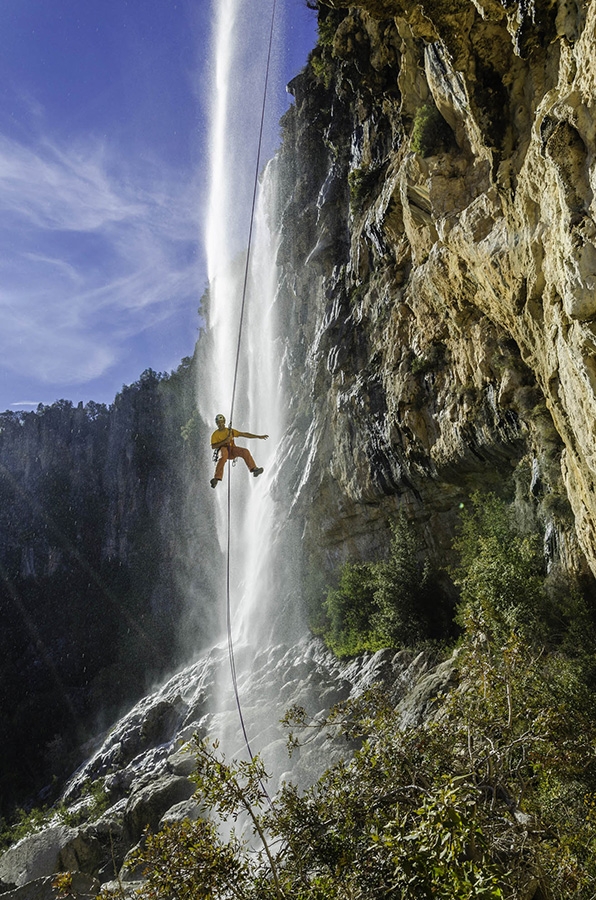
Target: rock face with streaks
{"x":439,"y":269}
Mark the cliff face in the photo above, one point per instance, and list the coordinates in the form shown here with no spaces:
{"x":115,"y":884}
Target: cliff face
{"x":439,"y":269}
{"x":100,"y":523}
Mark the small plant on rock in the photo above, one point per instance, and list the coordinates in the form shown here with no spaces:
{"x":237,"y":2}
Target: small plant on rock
{"x":430,"y":131}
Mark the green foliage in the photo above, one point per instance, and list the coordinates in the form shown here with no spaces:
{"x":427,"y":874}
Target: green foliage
{"x":97,"y":802}
{"x":527,"y":717}
{"x":492,"y":796}
{"x":24,"y":822}
{"x":189,"y":861}
{"x":322,"y":68}
{"x":430,"y":131}
{"x":361,"y":181}
{"x":349,"y":611}
{"x":501,"y":570}
{"x":326,"y":26}
{"x":321,"y":60}
{"x":391,"y":603}
{"x":406,"y":591}
{"x":62,"y":885}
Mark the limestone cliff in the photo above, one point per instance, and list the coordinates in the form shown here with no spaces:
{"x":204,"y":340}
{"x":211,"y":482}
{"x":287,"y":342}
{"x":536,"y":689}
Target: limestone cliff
{"x":439,"y":268}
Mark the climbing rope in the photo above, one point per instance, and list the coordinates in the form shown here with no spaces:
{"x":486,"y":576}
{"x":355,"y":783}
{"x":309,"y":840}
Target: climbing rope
{"x":238,"y":346}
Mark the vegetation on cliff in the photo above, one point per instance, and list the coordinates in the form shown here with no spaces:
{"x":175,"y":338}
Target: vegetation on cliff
{"x":491,"y":795}
{"x":394,"y":602}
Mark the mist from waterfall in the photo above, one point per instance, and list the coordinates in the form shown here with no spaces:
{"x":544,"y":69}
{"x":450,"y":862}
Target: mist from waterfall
{"x":240,"y":46}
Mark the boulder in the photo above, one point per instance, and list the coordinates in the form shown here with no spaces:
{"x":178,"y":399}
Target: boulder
{"x":182,"y":762}
{"x":35,"y":855}
{"x":188,"y":809}
{"x":83,"y":888}
{"x":146,"y":806}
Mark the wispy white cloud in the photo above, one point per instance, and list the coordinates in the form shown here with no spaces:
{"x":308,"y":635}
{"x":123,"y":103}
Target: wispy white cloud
{"x":93,"y":250}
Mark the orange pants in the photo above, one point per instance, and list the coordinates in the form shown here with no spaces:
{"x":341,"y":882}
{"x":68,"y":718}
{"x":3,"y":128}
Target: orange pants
{"x":233,"y":452}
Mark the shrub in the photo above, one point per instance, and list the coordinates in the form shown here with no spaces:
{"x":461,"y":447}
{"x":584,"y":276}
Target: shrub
{"x":360,"y":182}
{"x":391,"y":603}
{"x":406,"y":592}
{"x":189,"y":861}
{"x":501,"y":570}
{"x":322,"y":67}
{"x":430,"y":131}
{"x":488,"y":800}
{"x":348,"y":611}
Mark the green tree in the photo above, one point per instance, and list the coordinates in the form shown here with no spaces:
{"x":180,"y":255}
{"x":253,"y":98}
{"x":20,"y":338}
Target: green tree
{"x":501,"y":570}
{"x":392,"y":603}
{"x":405,"y":591}
{"x":350,"y":610}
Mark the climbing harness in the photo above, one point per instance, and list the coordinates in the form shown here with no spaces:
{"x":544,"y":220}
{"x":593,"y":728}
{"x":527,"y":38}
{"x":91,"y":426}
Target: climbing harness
{"x":239,"y":342}
{"x":216,"y":455}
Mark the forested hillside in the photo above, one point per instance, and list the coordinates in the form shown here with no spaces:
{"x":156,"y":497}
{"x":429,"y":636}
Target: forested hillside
{"x":104,"y":552}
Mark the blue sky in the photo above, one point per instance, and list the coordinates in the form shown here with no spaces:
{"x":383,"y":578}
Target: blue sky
{"x":103,"y":149}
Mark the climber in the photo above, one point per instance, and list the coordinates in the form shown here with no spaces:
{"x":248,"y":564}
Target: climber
{"x":223,"y":440}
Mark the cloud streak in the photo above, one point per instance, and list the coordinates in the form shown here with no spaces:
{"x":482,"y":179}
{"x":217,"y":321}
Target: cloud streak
{"x":93,"y":251}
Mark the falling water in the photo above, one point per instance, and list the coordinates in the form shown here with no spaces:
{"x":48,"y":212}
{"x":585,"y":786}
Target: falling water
{"x":241,"y":43}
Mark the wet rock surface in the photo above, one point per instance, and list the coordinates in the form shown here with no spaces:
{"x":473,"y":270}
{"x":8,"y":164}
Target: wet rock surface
{"x":146,"y":767}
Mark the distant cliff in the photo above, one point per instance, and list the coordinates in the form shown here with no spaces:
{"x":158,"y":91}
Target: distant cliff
{"x":438,"y":259}
{"x":104,"y":556}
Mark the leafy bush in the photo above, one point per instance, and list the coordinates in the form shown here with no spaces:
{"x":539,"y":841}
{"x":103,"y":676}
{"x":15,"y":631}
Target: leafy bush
{"x":24,"y":822}
{"x":406,"y":595}
{"x":391,"y":603}
{"x":501,"y":570}
{"x":322,"y":67}
{"x":350,"y":609}
{"x":189,"y":861}
{"x":494,"y":798}
{"x":360,"y":182}
{"x":430,"y":131}
{"x":326,"y":29}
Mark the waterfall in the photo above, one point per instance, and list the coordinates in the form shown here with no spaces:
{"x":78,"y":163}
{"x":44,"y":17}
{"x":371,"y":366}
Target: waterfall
{"x":240,"y":45}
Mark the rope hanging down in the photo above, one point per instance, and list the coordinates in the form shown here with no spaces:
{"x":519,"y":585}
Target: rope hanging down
{"x":239,"y":342}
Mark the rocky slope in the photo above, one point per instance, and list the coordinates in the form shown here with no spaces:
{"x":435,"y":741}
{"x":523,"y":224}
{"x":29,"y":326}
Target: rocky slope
{"x":141,"y":770}
{"x":439,"y":270}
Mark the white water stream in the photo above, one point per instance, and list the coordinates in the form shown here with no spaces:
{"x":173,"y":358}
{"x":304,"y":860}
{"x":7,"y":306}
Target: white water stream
{"x":241,"y":40}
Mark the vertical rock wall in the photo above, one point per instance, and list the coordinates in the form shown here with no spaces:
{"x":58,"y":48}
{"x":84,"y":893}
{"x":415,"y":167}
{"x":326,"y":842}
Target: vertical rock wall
{"x":439,"y":261}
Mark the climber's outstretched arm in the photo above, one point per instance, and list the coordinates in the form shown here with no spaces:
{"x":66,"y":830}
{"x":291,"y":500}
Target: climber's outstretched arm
{"x":247,"y":434}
